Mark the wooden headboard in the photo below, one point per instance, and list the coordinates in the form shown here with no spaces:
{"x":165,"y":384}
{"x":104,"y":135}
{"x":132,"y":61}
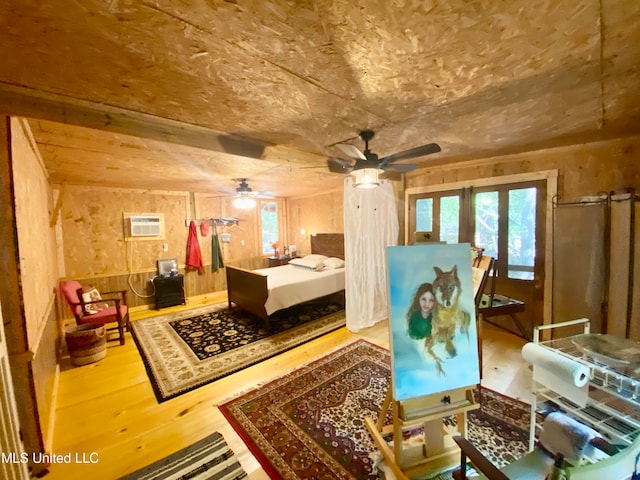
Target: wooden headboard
{"x":329,"y":244}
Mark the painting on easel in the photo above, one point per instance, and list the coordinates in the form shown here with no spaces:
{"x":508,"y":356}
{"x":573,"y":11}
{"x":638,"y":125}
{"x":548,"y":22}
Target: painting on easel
{"x":434,"y":342}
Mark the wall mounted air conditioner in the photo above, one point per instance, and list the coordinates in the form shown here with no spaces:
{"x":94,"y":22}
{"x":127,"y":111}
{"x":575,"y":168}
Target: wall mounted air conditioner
{"x":144,"y":226}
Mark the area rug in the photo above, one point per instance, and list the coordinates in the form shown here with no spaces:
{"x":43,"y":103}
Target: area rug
{"x":187,"y":349}
{"x":210,"y":459}
{"x":310,"y":423}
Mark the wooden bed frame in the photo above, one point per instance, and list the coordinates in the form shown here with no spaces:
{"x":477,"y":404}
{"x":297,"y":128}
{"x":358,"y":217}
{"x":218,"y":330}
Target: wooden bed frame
{"x":248,"y":289}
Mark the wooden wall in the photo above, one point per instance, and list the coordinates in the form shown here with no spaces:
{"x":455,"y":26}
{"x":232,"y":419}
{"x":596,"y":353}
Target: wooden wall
{"x":315,"y":214}
{"x":583,"y":169}
{"x":96,"y":251}
{"x":28,"y":299}
{"x":93,"y":230}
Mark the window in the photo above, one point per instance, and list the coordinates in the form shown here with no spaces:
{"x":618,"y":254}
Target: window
{"x":424,"y":215}
{"x":269,"y":225}
{"x":522,"y":233}
{"x":486,"y":218}
{"x":502,"y":219}
{"x":449,"y":219}
{"x":439,"y":214}
{"x":506,"y":225}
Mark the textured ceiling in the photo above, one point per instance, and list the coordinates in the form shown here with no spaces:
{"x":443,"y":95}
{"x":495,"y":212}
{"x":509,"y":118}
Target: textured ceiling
{"x":284,"y":80}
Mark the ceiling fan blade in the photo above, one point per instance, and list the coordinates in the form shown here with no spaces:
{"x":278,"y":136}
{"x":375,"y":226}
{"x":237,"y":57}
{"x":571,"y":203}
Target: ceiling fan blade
{"x":392,"y":175}
{"x":351,"y":150}
{"x":411,"y":153}
{"x":265,"y":195}
{"x":399,"y":167}
{"x":337,"y":165}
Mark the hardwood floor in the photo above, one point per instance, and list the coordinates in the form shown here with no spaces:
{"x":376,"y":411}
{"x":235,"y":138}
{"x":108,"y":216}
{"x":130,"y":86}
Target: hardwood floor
{"x":106,"y":412}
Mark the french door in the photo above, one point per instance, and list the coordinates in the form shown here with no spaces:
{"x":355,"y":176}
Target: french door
{"x":507,"y":220}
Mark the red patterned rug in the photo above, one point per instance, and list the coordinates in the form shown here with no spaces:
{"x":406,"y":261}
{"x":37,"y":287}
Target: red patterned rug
{"x":310,"y":423}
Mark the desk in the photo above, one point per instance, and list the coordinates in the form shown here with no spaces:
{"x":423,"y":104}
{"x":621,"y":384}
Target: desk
{"x":502,"y":305}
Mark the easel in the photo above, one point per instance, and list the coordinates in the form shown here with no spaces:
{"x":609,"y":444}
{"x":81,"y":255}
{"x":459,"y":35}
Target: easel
{"x":438,"y":450}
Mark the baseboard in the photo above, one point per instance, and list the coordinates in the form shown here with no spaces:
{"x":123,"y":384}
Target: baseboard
{"x":213,"y":297}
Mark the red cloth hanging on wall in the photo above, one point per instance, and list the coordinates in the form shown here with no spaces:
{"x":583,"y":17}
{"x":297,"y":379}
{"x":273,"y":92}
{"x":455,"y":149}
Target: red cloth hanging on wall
{"x":194,"y":256}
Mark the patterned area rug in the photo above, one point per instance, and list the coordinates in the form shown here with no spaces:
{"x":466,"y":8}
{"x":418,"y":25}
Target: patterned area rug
{"x":208,"y":459}
{"x":187,"y":349}
{"x":310,"y":423}
{"x":500,"y":427}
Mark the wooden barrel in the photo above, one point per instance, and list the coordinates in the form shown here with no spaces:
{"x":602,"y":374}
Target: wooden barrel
{"x":86,"y":343}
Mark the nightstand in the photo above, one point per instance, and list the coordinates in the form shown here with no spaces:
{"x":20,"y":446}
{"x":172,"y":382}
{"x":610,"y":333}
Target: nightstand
{"x":169,"y":291}
{"x":277,"y":261}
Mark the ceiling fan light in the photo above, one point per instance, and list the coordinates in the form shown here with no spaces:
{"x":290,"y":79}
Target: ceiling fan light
{"x":366,"y":178}
{"x":244,"y":202}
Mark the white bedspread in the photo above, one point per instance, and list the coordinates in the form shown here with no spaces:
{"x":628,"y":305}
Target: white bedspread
{"x":289,"y":285}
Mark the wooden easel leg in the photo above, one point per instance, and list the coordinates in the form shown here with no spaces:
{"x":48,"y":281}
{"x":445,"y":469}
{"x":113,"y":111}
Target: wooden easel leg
{"x":385,"y":408}
{"x":461,"y":421}
{"x":376,"y":431}
{"x":479,"y":330}
{"x":397,"y":435}
{"x":386,"y":452}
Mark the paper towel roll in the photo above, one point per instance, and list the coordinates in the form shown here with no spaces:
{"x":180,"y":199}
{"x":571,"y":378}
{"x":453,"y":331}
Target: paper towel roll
{"x":564,"y":368}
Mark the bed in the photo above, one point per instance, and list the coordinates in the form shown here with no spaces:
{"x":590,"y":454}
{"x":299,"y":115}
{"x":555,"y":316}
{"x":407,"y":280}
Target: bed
{"x":265,"y":291}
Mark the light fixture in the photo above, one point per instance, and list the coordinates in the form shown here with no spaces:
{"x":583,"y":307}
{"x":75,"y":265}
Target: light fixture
{"x":244,"y":198}
{"x":366,"y":177}
{"x":244,"y":202}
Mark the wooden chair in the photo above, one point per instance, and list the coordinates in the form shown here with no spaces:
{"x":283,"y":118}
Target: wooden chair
{"x":116,"y":311}
{"x":493,"y":304}
{"x":482,"y":265}
{"x":537,"y":464}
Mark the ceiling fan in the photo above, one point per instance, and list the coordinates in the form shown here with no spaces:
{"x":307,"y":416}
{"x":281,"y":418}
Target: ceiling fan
{"x":367,"y":166}
{"x":245,"y":196}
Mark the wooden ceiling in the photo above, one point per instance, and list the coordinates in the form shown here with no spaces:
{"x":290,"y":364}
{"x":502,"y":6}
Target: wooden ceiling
{"x":187,"y":95}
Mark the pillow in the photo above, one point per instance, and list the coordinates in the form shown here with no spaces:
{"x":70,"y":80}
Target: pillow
{"x":91,"y":294}
{"x":315,"y":257}
{"x":307,"y":264}
{"x":333,"y":262}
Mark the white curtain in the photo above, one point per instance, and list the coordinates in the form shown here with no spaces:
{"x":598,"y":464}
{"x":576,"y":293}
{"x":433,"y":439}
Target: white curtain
{"x":370,"y":225}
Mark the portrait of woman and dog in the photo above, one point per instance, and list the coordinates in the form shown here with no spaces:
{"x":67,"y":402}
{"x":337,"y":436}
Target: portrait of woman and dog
{"x":432,"y":319}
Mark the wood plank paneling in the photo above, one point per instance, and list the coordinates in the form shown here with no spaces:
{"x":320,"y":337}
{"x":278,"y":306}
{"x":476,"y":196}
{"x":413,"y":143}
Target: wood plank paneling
{"x":314,"y":214}
{"x":30,"y":270}
{"x":45,"y":376}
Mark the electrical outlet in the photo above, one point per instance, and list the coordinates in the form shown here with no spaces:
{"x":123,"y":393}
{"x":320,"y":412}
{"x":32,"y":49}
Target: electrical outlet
{"x":165,"y":247}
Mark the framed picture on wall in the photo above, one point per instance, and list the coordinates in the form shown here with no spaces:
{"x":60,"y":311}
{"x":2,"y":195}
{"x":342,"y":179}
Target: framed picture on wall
{"x":433,"y":336}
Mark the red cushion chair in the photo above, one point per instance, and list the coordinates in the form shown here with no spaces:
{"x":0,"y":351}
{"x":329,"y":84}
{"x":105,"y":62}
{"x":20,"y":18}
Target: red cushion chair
{"x":116,"y":310}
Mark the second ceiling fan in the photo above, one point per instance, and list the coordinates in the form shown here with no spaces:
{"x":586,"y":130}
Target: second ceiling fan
{"x":245,"y":196}
{"x":368,"y":160}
